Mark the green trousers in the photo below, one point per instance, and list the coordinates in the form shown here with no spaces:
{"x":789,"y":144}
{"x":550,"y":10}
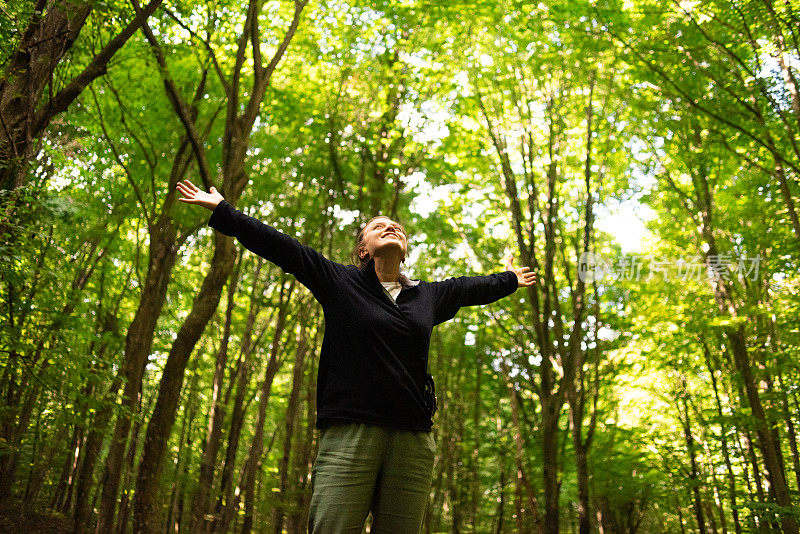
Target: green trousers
{"x":362,"y":468}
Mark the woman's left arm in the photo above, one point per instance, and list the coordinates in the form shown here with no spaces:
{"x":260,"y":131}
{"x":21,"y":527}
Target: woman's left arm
{"x":454,"y":293}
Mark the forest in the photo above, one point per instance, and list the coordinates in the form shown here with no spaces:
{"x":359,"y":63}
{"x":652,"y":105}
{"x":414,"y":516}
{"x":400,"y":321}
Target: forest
{"x":642,"y":157}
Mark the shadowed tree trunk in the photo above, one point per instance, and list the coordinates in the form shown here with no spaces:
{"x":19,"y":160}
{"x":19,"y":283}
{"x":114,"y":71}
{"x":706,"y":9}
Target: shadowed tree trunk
{"x":163,"y":247}
{"x":235,"y":145}
{"x":737,"y":339}
{"x":122,"y":518}
{"x":216,"y":418}
{"x":298,"y":521}
{"x":253,"y":463}
{"x":228,"y":499}
{"x":292,"y":409}
{"x":723,"y":439}
{"x":138,"y":342}
{"x":694,"y":475}
{"x":577,"y":392}
{"x":175,"y":515}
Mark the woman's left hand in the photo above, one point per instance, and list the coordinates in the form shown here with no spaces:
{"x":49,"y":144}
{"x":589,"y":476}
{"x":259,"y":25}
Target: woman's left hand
{"x":524,"y":278}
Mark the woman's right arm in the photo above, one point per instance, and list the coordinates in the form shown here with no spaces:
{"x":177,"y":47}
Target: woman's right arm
{"x":311,"y":268}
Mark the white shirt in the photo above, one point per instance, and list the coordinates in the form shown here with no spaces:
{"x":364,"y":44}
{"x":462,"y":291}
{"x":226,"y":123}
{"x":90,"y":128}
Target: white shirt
{"x":392,"y":288}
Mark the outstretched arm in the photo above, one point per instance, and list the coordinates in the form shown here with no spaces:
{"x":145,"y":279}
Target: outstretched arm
{"x":311,"y":268}
{"x":454,"y":293}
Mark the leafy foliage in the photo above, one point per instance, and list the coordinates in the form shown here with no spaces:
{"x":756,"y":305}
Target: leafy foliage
{"x":655,"y":398}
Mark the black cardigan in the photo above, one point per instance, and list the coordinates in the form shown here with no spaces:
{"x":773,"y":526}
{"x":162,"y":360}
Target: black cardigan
{"x":374,"y":356}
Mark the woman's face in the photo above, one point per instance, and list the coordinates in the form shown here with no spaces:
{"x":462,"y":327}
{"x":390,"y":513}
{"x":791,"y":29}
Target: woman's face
{"x":383,"y":237}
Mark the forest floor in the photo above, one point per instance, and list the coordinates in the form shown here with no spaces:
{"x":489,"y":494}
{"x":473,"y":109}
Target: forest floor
{"x":16,"y":520}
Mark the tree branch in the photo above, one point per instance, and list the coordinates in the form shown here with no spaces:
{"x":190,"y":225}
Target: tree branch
{"x":96,"y":68}
{"x":179,"y":105}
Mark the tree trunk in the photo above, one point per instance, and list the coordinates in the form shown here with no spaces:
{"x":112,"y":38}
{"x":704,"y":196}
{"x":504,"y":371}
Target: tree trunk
{"x":253,"y":463}
{"x":138,"y":342}
{"x":738,"y":347}
{"x":298,"y":521}
{"x":226,"y":501}
{"x":780,"y":174}
{"x":216,"y":418}
{"x":576,"y":387}
{"x":85,"y":476}
{"x":582,"y":474}
{"x":523,"y":482}
{"x":723,"y":440}
{"x":291,"y":422}
{"x":456,"y":445}
{"x":716,"y":505}
{"x":63,"y":492}
{"x":694,"y":477}
{"x":225,"y":498}
{"x":48,"y":37}
{"x":160,"y":427}
{"x":235,"y":145}
{"x":552,"y":486}
{"x":769,"y":446}
{"x":790,"y":430}
{"x":477,"y":413}
{"x":130,"y":461}
{"x":92,"y":440}
{"x":500,"y":515}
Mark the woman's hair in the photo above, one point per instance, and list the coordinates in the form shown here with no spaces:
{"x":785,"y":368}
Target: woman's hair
{"x":357,"y":260}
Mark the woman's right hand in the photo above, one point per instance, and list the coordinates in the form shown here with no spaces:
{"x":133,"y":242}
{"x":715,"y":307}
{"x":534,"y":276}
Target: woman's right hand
{"x":193,"y":195}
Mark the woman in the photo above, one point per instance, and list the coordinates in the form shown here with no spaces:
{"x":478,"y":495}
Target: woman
{"x":375,"y":400}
